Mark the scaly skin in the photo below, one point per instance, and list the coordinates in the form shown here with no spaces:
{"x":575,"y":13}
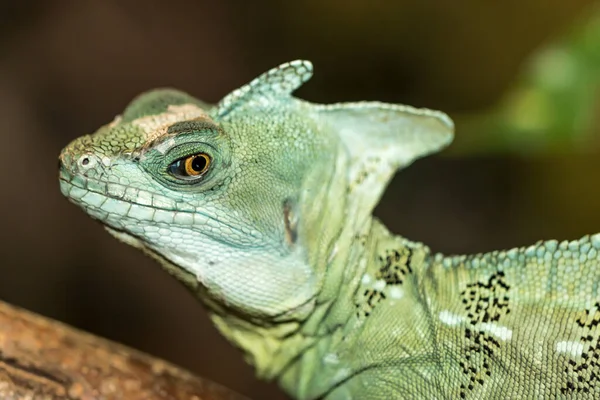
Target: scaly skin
{"x":276,"y":237}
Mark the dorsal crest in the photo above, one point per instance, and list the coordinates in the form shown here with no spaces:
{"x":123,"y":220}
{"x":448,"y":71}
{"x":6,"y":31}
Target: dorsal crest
{"x":280,"y":81}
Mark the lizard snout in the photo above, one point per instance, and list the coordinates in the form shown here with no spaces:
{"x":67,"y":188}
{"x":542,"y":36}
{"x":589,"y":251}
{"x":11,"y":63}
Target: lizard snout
{"x":78,"y":164}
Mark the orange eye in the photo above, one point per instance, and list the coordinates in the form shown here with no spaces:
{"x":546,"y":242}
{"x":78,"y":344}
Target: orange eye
{"x":192,"y":166}
{"x":197,"y":164}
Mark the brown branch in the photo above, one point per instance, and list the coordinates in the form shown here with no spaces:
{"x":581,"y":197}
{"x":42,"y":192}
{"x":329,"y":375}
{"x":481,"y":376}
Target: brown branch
{"x":46,"y":360}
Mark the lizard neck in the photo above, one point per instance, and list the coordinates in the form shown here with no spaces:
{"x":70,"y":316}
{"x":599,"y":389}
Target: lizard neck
{"x":371,"y":300}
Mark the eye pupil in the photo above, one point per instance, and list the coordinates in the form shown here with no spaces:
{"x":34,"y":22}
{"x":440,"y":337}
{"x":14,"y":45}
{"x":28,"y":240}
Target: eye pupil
{"x":199,"y":163}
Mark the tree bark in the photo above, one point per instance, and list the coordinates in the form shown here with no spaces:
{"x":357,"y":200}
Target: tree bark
{"x":41,"y":359}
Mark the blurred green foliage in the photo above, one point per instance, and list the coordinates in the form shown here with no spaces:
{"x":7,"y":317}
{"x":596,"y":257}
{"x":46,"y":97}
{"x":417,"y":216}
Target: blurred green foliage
{"x":553,"y":106}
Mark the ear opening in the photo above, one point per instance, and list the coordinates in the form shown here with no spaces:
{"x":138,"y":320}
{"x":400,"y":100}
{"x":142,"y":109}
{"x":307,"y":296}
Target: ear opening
{"x":290,"y":220}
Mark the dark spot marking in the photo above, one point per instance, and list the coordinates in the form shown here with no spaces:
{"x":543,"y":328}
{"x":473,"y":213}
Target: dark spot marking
{"x":395,"y":266}
{"x":373,"y":297}
{"x":584,"y":374}
{"x":484,"y":301}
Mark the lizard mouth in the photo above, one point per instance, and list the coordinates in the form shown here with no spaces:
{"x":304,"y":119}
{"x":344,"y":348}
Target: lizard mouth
{"x":76,"y":187}
{"x":113,"y":204}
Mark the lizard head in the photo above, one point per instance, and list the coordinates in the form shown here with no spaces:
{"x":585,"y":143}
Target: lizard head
{"x":247,"y":199}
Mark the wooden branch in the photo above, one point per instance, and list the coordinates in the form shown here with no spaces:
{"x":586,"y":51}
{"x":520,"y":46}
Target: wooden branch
{"x":46,"y":360}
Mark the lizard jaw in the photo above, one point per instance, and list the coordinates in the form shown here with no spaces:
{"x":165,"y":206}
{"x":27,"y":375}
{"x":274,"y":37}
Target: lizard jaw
{"x":125,"y":237}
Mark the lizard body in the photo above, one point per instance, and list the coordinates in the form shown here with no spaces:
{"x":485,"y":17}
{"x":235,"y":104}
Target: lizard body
{"x":261,"y":205}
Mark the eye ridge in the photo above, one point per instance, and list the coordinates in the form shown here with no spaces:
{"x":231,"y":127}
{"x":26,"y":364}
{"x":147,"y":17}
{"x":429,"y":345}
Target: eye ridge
{"x":193,"y":166}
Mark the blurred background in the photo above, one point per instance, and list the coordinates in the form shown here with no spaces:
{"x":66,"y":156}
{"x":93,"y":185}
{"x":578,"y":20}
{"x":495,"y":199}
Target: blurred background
{"x":520,"y":78}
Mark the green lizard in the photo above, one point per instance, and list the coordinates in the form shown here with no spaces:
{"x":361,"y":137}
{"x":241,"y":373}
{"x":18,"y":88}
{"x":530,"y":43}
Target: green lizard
{"x":261,"y":205}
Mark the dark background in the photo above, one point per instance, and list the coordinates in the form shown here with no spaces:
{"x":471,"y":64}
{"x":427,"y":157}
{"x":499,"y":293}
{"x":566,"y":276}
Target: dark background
{"x":66,"y":67}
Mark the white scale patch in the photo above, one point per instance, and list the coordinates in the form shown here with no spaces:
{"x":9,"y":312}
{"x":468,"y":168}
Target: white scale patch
{"x":573,"y":348}
{"x":379,"y":285}
{"x":106,"y":161}
{"x":164,"y":146}
{"x":396,"y":293}
{"x":341,"y":374}
{"x":451,"y":319}
{"x":501,"y":332}
{"x":366,"y":279}
{"x":331,"y":358}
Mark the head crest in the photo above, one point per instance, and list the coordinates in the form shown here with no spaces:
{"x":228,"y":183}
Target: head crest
{"x":280,"y":81}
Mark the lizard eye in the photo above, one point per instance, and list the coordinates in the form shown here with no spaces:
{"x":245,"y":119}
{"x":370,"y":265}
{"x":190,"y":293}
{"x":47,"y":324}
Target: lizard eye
{"x":193,"y":166}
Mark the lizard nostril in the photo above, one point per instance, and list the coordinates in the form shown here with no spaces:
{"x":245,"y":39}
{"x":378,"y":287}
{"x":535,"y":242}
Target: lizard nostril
{"x":87,"y":161}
